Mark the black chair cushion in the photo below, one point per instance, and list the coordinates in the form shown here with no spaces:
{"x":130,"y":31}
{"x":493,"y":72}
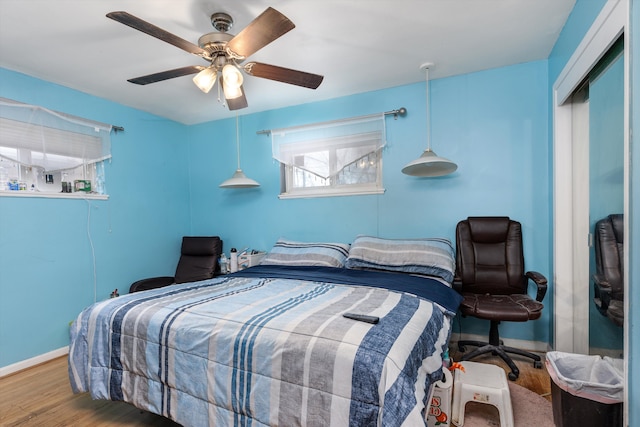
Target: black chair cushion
{"x":199,"y":259}
{"x":490,"y":259}
{"x":609,"y":251}
{"x":151,"y":283}
{"x":515,"y":308}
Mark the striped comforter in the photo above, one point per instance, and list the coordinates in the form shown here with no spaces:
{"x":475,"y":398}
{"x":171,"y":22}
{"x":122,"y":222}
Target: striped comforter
{"x":269,"y":349}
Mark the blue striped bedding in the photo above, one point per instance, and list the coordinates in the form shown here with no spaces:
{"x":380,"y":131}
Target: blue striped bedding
{"x":269,"y":346}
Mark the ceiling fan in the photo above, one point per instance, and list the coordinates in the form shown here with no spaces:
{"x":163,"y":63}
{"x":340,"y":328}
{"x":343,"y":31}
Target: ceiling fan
{"x":225,"y":53}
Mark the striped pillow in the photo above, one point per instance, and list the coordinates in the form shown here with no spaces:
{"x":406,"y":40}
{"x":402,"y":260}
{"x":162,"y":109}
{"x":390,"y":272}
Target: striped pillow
{"x":286,"y":252}
{"x":432,"y":257}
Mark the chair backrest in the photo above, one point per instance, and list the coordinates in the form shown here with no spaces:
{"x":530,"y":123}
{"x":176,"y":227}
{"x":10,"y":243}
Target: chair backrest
{"x":489,"y":256}
{"x":198,"y":258}
{"x":609,"y":242}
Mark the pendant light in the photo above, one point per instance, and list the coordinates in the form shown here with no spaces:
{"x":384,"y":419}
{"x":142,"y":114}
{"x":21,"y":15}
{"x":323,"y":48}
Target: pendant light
{"x":429,"y":164}
{"x":239,"y":179}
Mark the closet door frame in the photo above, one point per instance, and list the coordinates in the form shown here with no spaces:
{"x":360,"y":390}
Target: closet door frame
{"x":571,"y":307}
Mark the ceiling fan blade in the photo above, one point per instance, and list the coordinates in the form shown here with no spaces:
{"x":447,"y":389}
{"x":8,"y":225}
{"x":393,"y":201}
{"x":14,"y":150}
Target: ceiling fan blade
{"x":166,"y":75}
{"x":284,"y":75}
{"x":157,"y":32}
{"x":267,"y":27}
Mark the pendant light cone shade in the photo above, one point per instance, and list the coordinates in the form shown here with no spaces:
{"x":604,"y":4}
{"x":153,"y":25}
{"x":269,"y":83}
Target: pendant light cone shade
{"x":429,"y":164}
{"x":239,"y":179}
{"x":205,"y":79}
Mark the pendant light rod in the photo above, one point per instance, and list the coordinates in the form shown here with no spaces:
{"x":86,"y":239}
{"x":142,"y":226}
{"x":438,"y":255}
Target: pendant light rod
{"x":238,"y":140}
{"x":426,"y":67}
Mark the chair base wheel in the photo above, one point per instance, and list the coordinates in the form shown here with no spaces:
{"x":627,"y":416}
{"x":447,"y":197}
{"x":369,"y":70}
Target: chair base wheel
{"x":537,"y":364}
{"x":512,"y":376}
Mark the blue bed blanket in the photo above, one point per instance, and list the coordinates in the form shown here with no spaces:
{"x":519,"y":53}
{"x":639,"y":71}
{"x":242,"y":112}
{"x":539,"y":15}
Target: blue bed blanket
{"x":266,"y":347}
{"x":429,"y":288}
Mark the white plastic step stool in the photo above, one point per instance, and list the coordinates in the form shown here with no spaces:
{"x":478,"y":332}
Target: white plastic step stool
{"x":481,"y":383}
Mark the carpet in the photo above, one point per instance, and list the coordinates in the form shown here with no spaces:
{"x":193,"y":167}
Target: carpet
{"x":529,"y":409}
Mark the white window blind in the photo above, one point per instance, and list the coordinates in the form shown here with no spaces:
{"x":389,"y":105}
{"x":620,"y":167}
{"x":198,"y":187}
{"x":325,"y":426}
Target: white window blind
{"x":34,"y":136}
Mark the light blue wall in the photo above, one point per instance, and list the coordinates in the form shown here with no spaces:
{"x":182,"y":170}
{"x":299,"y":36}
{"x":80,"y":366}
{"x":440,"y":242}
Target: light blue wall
{"x":493,"y":124}
{"x":46,"y":262}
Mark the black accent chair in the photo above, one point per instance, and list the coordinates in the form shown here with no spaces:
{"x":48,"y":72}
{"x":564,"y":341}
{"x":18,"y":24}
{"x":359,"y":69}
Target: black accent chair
{"x":198,"y":261}
{"x":608,"y":279}
{"x":490,"y":276}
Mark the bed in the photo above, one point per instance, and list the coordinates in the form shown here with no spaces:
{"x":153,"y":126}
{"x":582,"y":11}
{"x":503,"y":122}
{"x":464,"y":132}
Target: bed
{"x":270,"y":346}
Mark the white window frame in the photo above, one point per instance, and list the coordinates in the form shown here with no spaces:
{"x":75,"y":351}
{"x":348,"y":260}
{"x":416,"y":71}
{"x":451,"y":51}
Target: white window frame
{"x":288,"y":191}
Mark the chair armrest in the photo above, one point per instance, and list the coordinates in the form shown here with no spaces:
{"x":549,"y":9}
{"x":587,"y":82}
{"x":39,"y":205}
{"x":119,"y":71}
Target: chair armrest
{"x":151,"y":283}
{"x":457,"y":284}
{"x":541,"y":283}
{"x":601,"y":282}
{"x":602,"y":290}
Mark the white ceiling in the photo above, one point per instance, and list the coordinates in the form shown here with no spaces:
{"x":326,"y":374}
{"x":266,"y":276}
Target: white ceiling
{"x":358,"y":45}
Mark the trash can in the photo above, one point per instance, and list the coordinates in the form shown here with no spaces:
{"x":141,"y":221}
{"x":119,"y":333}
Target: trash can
{"x":585,"y":390}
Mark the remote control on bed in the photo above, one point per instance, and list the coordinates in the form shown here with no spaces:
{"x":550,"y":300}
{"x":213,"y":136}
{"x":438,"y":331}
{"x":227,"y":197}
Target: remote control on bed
{"x":362,"y":317}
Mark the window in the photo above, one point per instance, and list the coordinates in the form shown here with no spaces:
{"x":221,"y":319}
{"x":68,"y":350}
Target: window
{"x":42,"y":151}
{"x":336,"y":159}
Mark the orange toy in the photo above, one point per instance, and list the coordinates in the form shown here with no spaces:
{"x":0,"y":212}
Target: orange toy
{"x":456,"y":365}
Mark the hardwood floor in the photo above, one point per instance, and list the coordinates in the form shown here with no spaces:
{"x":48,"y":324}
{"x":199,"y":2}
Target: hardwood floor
{"x":41,"y":397}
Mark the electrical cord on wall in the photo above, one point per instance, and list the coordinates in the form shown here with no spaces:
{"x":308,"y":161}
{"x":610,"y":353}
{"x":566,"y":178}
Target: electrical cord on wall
{"x":93,"y":252}
{"x":378,"y":215}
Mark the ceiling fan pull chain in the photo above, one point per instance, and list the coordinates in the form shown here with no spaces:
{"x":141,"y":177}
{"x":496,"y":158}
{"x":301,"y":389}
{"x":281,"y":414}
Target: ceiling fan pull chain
{"x":220,"y":101}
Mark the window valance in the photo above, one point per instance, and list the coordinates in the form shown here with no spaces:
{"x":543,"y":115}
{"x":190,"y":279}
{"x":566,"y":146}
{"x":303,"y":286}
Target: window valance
{"x":325,"y":149}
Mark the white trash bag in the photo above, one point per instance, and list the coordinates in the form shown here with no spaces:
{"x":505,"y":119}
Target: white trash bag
{"x":592,"y":377}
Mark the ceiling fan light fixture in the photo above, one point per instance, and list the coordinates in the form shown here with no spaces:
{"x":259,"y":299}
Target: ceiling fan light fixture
{"x":231,"y":92}
{"x":205,"y":79}
{"x":232,"y":76}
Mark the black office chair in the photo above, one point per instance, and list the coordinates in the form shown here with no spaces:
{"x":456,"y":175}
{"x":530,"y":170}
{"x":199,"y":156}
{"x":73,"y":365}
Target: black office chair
{"x":490,"y":276}
{"x":198,"y":261}
{"x":608,"y":281}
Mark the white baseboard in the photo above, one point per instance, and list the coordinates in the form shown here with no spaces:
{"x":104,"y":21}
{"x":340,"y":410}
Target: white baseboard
{"x":535,"y":346}
{"x":24,"y":364}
